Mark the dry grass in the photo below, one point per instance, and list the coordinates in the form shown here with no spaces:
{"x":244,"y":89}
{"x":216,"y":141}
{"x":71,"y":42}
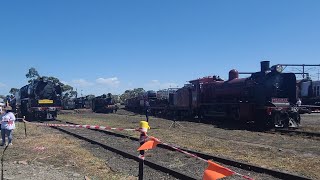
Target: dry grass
{"x":271,"y":157}
{"x":310,"y":122}
{"x":45,"y":146}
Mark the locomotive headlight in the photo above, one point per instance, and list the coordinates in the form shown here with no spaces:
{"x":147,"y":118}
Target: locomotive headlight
{"x":278,"y":68}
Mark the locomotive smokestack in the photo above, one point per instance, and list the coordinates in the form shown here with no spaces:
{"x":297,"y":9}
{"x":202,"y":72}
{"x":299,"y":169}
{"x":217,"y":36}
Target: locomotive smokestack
{"x":265,"y":66}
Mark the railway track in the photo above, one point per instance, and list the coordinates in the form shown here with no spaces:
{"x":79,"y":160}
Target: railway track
{"x":245,"y":168}
{"x":281,"y":131}
{"x":297,"y":132}
{"x":125,"y":154}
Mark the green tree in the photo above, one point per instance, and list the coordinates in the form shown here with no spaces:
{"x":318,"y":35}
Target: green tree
{"x":67,"y":90}
{"x":131,"y":94}
{"x":13,"y":91}
{"x":116,"y":98}
{"x":53,"y":79}
{"x":32,"y":74}
{"x":90,"y":96}
{"x":66,"y":87}
{"x":73,"y":93}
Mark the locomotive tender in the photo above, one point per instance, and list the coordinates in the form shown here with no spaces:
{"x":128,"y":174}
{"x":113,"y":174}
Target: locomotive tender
{"x":309,"y":92}
{"x":41,"y":99}
{"x":267,"y":98}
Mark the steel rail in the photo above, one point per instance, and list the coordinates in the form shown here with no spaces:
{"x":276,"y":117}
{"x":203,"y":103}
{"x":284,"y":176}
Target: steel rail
{"x":148,"y":163}
{"x":234,"y":163}
{"x":305,"y":133}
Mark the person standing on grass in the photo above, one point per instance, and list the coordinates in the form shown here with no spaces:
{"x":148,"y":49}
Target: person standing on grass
{"x":147,"y":109}
{"x":7,"y":126}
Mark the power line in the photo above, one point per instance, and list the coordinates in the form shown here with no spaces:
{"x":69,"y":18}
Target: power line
{"x":303,"y":67}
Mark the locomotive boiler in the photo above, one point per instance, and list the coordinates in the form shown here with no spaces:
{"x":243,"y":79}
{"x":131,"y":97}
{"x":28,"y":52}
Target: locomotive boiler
{"x":41,"y":99}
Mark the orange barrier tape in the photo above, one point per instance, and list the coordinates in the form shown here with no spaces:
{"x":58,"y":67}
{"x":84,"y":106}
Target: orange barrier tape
{"x":214,"y":171}
{"x":82,"y":126}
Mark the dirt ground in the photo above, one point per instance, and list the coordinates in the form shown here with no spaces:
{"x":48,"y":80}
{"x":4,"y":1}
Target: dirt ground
{"x":48,"y":154}
{"x":310,"y":122}
{"x":295,"y":154}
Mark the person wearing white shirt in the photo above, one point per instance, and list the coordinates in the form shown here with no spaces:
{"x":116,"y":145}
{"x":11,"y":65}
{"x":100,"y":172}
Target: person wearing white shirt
{"x":7,"y":126}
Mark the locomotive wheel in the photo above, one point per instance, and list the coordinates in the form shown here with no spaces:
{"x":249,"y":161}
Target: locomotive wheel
{"x":298,"y":118}
{"x":294,"y":120}
{"x":278,"y":121}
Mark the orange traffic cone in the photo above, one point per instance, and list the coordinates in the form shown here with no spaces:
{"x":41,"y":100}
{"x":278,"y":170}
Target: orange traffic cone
{"x":215,"y":171}
{"x":150,"y":144}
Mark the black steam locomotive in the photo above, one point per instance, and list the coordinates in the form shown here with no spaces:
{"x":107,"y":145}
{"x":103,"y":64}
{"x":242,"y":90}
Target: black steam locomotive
{"x":68,"y":104}
{"x":41,"y":99}
{"x":267,"y":98}
{"x":104,"y":104}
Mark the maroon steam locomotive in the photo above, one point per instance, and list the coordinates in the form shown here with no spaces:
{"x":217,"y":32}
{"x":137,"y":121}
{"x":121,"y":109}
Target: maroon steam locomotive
{"x":267,"y":98}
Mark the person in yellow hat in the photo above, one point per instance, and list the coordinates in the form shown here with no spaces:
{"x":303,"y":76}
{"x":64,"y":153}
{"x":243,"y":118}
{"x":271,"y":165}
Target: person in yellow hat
{"x":7,"y":125}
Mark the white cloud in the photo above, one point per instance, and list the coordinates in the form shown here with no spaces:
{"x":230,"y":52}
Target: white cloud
{"x":156,"y":85}
{"x":81,"y":83}
{"x":113,"y":81}
{"x":2,"y":85}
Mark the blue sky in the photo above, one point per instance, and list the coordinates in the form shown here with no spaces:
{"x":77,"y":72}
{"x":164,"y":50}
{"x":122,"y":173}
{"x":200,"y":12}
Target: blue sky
{"x":109,"y":46}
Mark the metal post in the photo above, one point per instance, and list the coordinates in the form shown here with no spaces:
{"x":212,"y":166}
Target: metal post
{"x":25,"y":127}
{"x":141,"y":155}
{"x":303,"y":71}
{"x":144,"y":126}
{"x":25,"y":130}
{"x":147,"y":109}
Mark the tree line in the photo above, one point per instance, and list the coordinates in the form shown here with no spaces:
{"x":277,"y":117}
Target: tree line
{"x":33,"y":74}
{"x":69,"y":92}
